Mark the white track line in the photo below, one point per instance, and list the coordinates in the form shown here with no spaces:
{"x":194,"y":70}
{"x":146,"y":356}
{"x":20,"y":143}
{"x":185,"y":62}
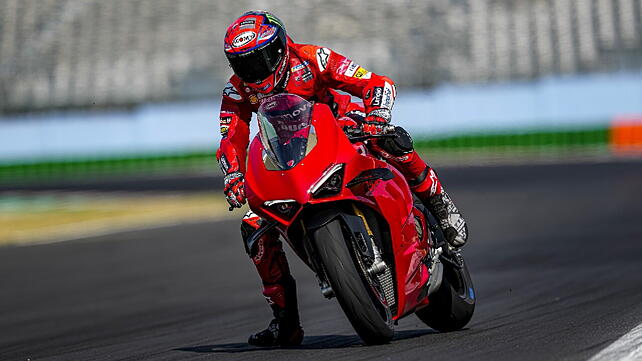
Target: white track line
{"x":626,"y":348}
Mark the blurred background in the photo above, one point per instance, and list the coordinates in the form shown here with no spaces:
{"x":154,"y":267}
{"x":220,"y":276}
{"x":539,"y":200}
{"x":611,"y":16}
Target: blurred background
{"x":123,"y":95}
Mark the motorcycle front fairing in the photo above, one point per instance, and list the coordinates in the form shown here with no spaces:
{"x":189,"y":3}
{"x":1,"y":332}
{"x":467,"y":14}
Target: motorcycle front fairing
{"x":282,"y":194}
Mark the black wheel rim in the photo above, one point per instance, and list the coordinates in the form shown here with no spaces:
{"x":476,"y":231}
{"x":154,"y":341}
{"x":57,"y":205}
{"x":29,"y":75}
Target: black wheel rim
{"x":372,"y":283}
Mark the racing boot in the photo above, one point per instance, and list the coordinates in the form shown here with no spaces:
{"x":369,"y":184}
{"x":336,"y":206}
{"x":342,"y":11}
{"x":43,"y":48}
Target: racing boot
{"x":285,"y":329}
{"x":450,"y":219}
{"x":429,"y":190}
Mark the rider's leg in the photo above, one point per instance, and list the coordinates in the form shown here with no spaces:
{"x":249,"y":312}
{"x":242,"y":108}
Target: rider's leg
{"x":279,"y":288}
{"x":424,"y":183}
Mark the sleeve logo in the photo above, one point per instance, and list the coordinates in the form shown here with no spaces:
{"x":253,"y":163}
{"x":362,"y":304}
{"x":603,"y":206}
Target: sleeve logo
{"x":388,"y":96}
{"x":351,"y":69}
{"x":377,"y":94}
{"x":225,"y":124}
{"x":230,"y":92}
{"x":362,"y":74}
{"x":323,"y":54}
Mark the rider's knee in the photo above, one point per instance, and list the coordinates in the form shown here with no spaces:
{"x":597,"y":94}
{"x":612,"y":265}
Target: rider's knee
{"x":258,"y":234}
{"x":253,"y":228}
{"x":399,"y":145}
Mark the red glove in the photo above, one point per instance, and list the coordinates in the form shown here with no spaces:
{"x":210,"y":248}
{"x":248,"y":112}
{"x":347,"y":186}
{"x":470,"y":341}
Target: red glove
{"x":235,"y":189}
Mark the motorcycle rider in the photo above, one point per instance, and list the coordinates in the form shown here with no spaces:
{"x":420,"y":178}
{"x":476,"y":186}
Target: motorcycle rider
{"x":265,"y":62}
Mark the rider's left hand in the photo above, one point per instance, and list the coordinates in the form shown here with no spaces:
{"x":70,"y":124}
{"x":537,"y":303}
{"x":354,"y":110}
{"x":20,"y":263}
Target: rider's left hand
{"x":234,"y":189}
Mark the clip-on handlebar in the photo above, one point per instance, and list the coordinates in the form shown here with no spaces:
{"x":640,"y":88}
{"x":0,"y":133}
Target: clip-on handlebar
{"x":356,"y":135}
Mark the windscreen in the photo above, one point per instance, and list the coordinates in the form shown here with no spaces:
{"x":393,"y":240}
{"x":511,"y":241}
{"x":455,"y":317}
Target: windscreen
{"x":285,"y":128}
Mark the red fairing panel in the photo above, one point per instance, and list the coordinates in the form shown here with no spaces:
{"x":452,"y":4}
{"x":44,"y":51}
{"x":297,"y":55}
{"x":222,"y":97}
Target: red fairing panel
{"x":392,"y":199}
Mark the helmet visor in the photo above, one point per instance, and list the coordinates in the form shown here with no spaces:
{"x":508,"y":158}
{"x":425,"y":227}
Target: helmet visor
{"x":257,"y":65}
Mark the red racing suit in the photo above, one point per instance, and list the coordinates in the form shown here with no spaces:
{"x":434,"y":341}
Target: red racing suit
{"x":313,"y":73}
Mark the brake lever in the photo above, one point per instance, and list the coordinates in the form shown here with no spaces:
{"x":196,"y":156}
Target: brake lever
{"x":370,"y":136}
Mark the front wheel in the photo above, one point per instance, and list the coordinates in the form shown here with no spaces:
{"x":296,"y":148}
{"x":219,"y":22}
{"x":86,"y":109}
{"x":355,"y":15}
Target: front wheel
{"x":451,"y":307}
{"x":369,"y":317}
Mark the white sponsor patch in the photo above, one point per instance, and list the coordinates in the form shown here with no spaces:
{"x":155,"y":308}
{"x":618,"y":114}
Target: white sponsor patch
{"x":231,"y":92}
{"x":388,"y":96}
{"x":323,"y":54}
{"x":367,"y":75}
{"x":351,"y":69}
{"x":243,"y":38}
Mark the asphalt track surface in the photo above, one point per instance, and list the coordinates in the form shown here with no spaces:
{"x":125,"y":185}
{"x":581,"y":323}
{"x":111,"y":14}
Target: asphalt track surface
{"x":555,"y":254}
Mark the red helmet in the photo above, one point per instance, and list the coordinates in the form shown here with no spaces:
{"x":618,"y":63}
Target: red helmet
{"x":257,"y":49}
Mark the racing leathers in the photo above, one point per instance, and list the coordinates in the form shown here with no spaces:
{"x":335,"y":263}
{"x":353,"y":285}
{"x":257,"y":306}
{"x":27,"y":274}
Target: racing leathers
{"x":315,"y":73}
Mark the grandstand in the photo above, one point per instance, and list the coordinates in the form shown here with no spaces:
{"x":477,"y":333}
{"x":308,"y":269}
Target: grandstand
{"x":91,"y":53}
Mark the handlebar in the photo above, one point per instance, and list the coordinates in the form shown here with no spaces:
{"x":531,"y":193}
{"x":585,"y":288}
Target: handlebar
{"x":356,"y":135}
{"x":362,"y":138}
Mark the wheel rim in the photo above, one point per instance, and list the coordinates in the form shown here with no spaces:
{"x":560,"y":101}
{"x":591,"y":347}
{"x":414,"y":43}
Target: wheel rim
{"x":376,"y":292}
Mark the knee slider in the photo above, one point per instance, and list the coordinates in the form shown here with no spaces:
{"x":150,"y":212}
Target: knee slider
{"x":252,"y":236}
{"x":400,"y":145}
{"x":246,"y":233}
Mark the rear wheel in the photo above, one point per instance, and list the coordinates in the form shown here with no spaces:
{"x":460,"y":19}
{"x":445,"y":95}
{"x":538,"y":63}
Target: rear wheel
{"x":452,"y":305}
{"x":370,"y":317}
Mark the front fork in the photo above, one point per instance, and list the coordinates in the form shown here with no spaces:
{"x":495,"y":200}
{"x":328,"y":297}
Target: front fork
{"x":362,"y":237}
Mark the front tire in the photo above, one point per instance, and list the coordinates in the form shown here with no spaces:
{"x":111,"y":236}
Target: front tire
{"x":352,"y":292}
{"x":451,"y":307}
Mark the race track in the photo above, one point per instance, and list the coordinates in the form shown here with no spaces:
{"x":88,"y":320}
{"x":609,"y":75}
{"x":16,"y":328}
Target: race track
{"x":555,"y":254}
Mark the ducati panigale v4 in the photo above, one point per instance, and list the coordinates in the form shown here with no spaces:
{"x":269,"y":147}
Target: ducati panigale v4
{"x":352,"y":218}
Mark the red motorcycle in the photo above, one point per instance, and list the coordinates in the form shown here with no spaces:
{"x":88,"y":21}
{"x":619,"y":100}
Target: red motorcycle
{"x":352,"y":218}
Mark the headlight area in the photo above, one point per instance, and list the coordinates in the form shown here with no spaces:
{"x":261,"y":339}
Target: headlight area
{"x":285,"y":208}
{"x":330,"y":184}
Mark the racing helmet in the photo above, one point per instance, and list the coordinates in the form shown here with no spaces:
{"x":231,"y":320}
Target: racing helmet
{"x":256,"y":47}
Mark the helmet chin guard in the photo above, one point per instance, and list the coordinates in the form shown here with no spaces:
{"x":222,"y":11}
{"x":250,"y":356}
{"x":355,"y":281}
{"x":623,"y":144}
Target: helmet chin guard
{"x":277,"y":79}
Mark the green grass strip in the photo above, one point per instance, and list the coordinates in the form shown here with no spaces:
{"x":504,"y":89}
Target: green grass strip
{"x":121,"y":166}
{"x":534,"y":139}
{"x":205,"y":161}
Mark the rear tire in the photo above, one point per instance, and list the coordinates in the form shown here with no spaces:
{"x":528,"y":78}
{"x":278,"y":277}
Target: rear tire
{"x":349,"y":287}
{"x":451,"y":307}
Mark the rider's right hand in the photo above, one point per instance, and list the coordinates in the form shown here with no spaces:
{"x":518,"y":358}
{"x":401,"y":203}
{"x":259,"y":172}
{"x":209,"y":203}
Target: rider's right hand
{"x":235,"y":189}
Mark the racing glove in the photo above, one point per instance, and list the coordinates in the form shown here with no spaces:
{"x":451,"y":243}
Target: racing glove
{"x":234,"y":189}
{"x":374,"y":124}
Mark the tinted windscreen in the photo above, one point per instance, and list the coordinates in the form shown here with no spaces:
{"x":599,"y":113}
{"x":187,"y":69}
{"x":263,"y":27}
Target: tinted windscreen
{"x":284,"y":128}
